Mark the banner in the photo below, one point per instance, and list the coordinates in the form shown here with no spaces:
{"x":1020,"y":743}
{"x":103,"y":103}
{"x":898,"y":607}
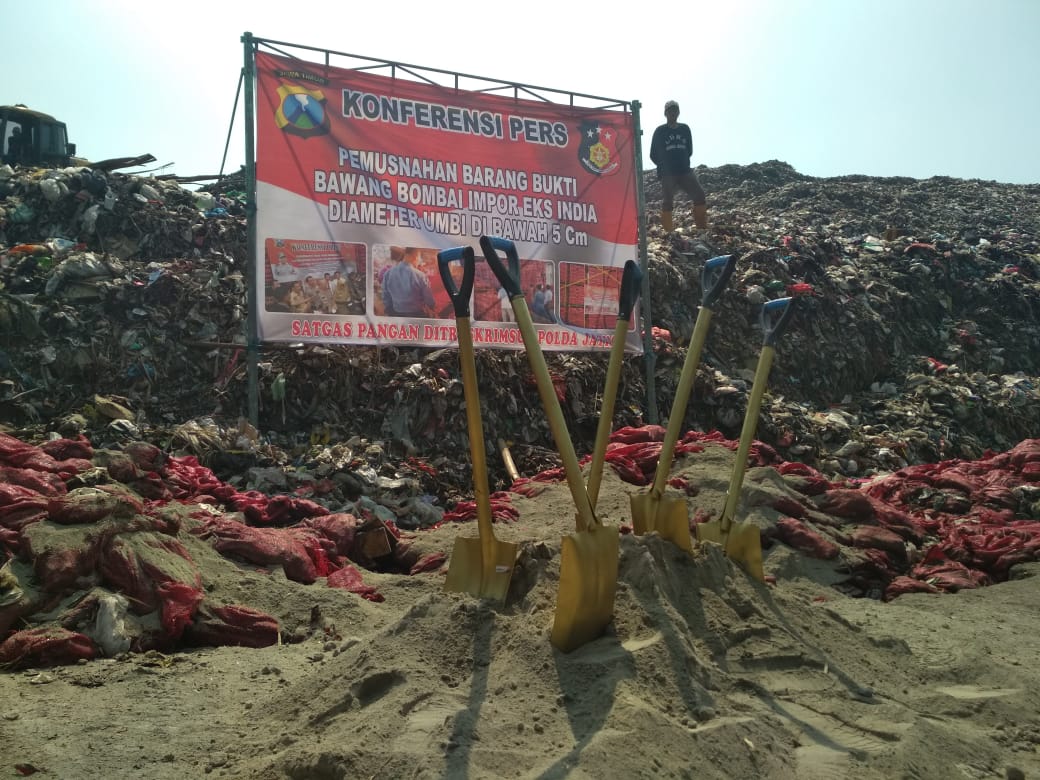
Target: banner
{"x":361,"y":179}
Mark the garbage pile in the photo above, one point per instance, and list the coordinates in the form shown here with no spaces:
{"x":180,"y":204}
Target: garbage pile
{"x":913,"y":359}
{"x":918,"y":338}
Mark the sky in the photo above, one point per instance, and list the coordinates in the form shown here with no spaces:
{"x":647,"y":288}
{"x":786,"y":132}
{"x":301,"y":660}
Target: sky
{"x":914,"y":88}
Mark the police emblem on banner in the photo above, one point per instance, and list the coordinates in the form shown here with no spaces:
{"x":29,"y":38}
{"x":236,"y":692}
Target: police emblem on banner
{"x":301,"y":111}
{"x":598,"y":150}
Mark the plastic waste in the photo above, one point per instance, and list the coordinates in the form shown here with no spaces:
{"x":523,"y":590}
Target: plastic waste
{"x":21,"y":214}
{"x":204,"y":201}
{"x":10,"y":590}
{"x":85,"y":265}
{"x":51,"y":190}
{"x":366,"y":508}
{"x":149,"y":192}
{"x":94,"y":182}
{"x":59,"y":247}
{"x":36,"y":250}
{"x":109,"y":631}
{"x":90,"y":218}
{"x":278,"y":387}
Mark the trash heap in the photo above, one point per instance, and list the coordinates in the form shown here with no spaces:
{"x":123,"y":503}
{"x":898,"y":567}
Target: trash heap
{"x":909,"y":372}
{"x":918,"y":338}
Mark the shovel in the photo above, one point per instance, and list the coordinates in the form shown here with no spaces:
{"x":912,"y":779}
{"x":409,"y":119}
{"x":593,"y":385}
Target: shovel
{"x":483,"y":566}
{"x":589,"y":559}
{"x":631,"y":279}
{"x":653,"y":511}
{"x":743,"y":541}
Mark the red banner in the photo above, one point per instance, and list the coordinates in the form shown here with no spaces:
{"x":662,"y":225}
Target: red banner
{"x":363,"y":178}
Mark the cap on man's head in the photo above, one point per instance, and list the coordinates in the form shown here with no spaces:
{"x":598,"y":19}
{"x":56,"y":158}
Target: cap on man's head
{"x":670,"y":105}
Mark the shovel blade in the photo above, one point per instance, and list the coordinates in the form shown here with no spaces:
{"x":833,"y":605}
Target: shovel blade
{"x":709,"y":532}
{"x":743,"y":545}
{"x":673,"y":523}
{"x":667,"y":516}
{"x":644,"y":510}
{"x":588,"y":582}
{"x":484,"y":577}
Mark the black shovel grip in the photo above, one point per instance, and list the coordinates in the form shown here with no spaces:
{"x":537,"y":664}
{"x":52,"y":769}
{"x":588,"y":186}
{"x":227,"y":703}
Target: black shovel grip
{"x":510,"y":279}
{"x":774,"y":330}
{"x":631,"y":282}
{"x":715,"y":276}
{"x":459,"y":297}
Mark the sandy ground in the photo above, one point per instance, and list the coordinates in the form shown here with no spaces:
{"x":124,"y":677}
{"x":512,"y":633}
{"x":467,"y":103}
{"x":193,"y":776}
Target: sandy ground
{"x":704,"y":673}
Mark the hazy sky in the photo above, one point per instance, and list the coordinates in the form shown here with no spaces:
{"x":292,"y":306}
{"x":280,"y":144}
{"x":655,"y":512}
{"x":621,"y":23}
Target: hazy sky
{"x":878,"y":87}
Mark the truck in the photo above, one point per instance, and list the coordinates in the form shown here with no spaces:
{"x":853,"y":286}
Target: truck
{"x":33,"y":138}
{"x":38,"y":140}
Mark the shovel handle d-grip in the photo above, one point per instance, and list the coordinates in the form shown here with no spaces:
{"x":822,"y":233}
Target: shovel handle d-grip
{"x":771,"y":329}
{"x":631,"y":281}
{"x":459,"y":296}
{"x":715,"y":276}
{"x":509,"y":279}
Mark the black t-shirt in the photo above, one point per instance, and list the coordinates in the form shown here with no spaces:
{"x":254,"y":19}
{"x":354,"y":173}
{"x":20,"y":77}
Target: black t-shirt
{"x":671,"y":149}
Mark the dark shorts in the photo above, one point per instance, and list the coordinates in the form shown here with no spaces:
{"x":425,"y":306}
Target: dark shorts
{"x":688,"y":183}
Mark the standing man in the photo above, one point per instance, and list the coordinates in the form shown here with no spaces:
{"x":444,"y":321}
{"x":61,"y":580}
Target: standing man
{"x":538,"y":304}
{"x":547,"y":303}
{"x":507,"y":306}
{"x":406,"y":290}
{"x":340,"y":293}
{"x":671,"y":150}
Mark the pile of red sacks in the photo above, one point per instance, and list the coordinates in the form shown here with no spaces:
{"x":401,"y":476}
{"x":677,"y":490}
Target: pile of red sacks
{"x":926,"y":528}
{"x":930,"y":528}
{"x":110,"y":522}
{"x":83,"y":524}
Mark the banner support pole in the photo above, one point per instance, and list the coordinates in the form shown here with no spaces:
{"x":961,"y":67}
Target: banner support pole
{"x":252,"y":335}
{"x":649,"y":359}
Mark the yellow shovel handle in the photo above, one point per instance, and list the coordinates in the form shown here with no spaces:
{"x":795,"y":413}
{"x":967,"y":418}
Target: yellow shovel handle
{"x":551,"y":404}
{"x":747,"y":434}
{"x":783,"y":309}
{"x":631,"y":282}
{"x":470,"y":388}
{"x":606,"y":413}
{"x":682,"y":396}
{"x":509,"y":279}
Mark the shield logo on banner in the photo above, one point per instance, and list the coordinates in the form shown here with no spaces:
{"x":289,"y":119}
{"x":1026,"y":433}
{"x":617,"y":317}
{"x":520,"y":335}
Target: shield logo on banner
{"x":301,"y":111}
{"x":598,"y":150}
